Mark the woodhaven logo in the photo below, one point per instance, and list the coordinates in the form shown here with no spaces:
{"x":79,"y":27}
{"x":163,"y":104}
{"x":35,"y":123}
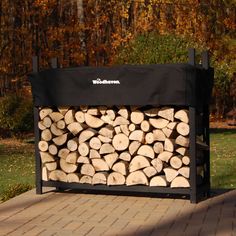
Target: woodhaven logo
{"x":99,"y":81}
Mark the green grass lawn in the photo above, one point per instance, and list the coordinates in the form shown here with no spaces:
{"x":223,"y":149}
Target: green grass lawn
{"x":17,"y":162}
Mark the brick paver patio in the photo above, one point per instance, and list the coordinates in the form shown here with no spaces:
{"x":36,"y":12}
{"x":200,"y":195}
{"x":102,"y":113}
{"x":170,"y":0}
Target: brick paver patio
{"x":88,"y":214}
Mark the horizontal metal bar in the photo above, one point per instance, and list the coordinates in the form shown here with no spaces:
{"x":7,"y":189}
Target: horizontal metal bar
{"x":118,"y":188}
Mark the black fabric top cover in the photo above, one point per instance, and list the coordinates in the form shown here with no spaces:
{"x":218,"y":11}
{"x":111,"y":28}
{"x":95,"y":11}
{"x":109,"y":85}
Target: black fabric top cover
{"x":161,"y":84}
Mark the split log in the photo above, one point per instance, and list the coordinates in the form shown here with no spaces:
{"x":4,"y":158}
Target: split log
{"x":138,"y":162}
{"x":106,"y":119}
{"x":72,"y":158}
{"x":63,"y":110}
{"x":56,"y":116}
{"x":63,"y":153}
{"x":115,"y":178}
{"x":180,"y":182}
{"x":149,"y":138}
{"x":51,"y":166}
{"x":169,"y":145}
{"x":111,"y":159}
{"x":151,"y":112}
{"x":121,"y":167}
{"x":87,"y":170}
{"x":107,"y":131}
{"x":120,"y":142}
{"x":104,"y":139}
{"x":184,"y":171}
{"x":69,"y":117}
{"x":79,"y":116}
{"x":159,"y":123}
{"x":47,"y":122}
{"x":172,"y":125}
{"x":58,"y":175}
{"x":137,"y":135}
{"x":182,"y":150}
{"x":159,"y":181}
{"x":67,"y":167}
{"x":167,"y":113}
{"x":93,"y":111}
{"x":165,"y":156}
{"x":117,"y":129}
{"x":72,"y":145}
{"x":83,"y":149}
{"x":61,"y":124}
{"x":41,"y":126}
{"x":186,"y":160}
{"x":100,"y":178}
{"x":43,"y":146}
{"x":157,"y":164}
{"x":95,"y":143}
{"x":111,"y":114}
{"x":158,"y":135}
{"x":182,"y":141}
{"x":45,"y":174}
{"x":123,"y":112}
{"x":158,"y":147}
{"x":44,"y":112}
{"x":182,"y":115}
{"x":176,"y":162}
{"x":46,"y":157}
{"x":60,"y":140}
{"x":183,"y":129}
{"x":53,"y":149}
{"x":169,"y":132}
{"x":100,"y":165}
{"x":133,"y":147}
{"x":46,"y":135}
{"x":136,"y":117}
{"x":85,"y":179}
{"x":86,"y":135}
{"x":92,"y":121}
{"x":145,"y":126}
{"x":94,"y":154}
{"x":76,"y":127}
{"x":83,"y":160}
{"x":125,"y":129}
{"x":120,"y":121}
{"x":72,"y":178}
{"x":132,"y":127}
{"x":125,"y":156}
{"x":136,"y":178}
{"x":147,"y":151}
{"x":106,"y":148}
{"x":55,"y":130}
{"x":150,"y":171}
{"x":170,"y":174}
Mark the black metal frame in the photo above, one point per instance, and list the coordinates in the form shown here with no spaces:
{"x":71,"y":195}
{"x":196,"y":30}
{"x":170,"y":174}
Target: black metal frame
{"x":195,"y":190}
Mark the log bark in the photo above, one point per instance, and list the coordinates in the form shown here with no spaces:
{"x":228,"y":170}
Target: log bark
{"x":138,"y":162}
{"x":153,"y":112}
{"x":115,"y":178}
{"x":136,"y":178}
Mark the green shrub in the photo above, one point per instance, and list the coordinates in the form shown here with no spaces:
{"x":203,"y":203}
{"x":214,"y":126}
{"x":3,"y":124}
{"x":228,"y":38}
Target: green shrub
{"x":16,"y":114}
{"x":15,"y":190}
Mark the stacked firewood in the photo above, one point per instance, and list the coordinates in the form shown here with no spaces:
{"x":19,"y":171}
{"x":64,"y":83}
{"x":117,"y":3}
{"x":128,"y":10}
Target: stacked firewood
{"x":118,"y":145}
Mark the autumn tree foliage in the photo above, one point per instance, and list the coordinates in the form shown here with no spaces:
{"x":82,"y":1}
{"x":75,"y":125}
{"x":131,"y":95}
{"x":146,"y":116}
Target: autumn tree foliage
{"x":91,"y":32}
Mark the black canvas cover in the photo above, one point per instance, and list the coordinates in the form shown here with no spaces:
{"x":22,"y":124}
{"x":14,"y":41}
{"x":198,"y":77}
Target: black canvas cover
{"x":161,"y":84}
